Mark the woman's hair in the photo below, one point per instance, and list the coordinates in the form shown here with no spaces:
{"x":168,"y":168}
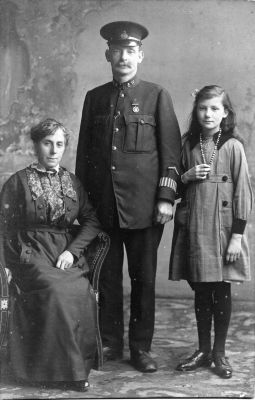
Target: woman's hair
{"x":48,"y":127}
{"x":228,"y":123}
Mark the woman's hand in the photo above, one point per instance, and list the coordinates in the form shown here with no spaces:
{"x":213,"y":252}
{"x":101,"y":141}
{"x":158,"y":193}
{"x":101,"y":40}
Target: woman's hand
{"x":9,"y":275}
{"x":234,"y":248}
{"x":65,"y":260}
{"x":198,"y":172}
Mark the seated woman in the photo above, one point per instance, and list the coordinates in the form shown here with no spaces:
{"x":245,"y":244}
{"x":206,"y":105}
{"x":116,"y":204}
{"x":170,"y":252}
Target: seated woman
{"x":53,"y":323}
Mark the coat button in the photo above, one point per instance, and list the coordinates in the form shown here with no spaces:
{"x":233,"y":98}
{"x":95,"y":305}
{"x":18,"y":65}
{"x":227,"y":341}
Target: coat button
{"x":122,"y":95}
{"x":114,"y":147}
{"x":113,"y":167}
{"x":225,"y":203}
{"x":142,"y":121}
{"x":116,"y":130}
{"x":224,"y":178}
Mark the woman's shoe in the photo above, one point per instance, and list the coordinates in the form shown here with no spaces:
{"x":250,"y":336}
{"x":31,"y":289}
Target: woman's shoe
{"x":81,"y":386}
{"x":198,"y":359}
{"x":222,"y":366}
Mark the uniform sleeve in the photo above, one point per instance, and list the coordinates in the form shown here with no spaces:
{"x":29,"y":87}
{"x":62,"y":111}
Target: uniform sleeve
{"x":169,"y":143}
{"x":243,"y":195}
{"x":89,"y":224}
{"x":84,"y":138}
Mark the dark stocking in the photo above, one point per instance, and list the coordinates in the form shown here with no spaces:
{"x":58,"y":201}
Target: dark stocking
{"x":203,"y":311}
{"x":222,"y":314}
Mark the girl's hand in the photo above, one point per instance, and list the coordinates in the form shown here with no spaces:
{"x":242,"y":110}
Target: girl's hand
{"x":198,"y":172}
{"x":234,"y":248}
{"x":65,"y":260}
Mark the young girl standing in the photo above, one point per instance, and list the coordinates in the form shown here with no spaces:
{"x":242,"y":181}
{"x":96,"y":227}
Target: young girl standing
{"x":209,"y":247}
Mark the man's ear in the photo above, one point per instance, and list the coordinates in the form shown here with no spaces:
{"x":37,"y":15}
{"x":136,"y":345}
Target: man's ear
{"x":140,"y":56}
{"x":107,"y":55}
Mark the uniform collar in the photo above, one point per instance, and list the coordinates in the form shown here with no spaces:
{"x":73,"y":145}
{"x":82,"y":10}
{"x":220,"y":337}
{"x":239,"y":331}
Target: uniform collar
{"x":125,"y":85}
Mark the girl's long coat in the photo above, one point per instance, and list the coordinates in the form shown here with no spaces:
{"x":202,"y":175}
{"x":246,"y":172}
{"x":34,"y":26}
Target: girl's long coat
{"x":209,"y":212}
{"x":52,"y":326}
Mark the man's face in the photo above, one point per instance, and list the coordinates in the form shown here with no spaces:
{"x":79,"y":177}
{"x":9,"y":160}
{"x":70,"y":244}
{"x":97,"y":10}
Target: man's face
{"x":124,"y":60}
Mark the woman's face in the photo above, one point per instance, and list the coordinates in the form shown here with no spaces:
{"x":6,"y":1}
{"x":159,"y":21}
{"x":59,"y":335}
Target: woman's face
{"x":51,"y":149}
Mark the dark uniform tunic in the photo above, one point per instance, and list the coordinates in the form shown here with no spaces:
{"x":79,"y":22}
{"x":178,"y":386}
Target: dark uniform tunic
{"x":53,"y":321}
{"x":128,"y":159}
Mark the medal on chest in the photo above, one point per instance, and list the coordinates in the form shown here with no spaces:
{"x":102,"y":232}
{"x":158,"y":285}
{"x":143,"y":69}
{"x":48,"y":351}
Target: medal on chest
{"x":135,"y":106}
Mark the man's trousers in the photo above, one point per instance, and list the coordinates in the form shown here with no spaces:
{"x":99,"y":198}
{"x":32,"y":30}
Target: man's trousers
{"x":141,"y":249}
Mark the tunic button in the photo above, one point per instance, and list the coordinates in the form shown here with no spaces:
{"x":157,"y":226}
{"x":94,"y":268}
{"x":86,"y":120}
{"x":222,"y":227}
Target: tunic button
{"x":122,"y":95}
{"x":29,"y":244}
{"x":225,"y":203}
{"x":40,"y":206}
{"x":114,"y":147}
{"x":41,"y":217}
{"x":142,"y":121}
{"x":28,"y":251}
{"x":224,"y":178}
{"x":116,"y":130}
{"x":113,"y":167}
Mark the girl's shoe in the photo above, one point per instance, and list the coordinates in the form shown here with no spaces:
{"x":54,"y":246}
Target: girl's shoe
{"x":222,"y":366}
{"x":198,"y":359}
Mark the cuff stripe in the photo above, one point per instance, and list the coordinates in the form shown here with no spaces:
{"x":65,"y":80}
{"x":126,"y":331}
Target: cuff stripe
{"x":168,"y":182}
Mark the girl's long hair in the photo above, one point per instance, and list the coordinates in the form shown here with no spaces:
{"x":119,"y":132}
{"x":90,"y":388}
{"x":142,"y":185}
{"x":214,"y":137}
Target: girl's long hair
{"x":228,"y":124}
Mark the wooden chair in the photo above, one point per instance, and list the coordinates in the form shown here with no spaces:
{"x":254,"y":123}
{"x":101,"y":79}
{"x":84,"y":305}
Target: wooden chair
{"x":95,"y":255}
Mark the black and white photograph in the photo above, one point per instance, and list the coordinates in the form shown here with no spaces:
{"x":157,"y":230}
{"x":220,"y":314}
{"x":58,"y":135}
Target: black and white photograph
{"x":127,"y":181}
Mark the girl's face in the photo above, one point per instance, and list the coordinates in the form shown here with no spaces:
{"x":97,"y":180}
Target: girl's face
{"x":51,"y":149}
{"x":210,"y":113}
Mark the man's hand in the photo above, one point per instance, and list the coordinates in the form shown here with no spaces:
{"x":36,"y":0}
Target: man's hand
{"x":234,"y":248}
{"x":164,"y":212}
{"x":65,"y":260}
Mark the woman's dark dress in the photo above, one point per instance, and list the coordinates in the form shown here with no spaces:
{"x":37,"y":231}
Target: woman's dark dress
{"x":53,"y":323}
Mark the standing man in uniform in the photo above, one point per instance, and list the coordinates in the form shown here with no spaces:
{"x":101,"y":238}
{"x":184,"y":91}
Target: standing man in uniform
{"x":128,"y":160}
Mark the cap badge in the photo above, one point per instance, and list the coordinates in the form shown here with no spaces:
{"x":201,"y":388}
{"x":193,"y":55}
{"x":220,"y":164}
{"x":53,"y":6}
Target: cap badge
{"x":124,"y":35}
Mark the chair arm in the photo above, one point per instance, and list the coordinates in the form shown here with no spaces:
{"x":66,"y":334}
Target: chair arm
{"x":95,"y":255}
{"x":4,"y":305}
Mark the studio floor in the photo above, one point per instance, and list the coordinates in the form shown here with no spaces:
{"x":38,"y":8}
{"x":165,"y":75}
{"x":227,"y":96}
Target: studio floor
{"x":174,"y":339}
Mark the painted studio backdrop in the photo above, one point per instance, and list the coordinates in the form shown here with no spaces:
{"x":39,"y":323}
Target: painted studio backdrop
{"x":51,"y":53}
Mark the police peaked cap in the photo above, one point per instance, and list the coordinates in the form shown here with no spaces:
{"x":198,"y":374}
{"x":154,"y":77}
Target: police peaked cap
{"x":124,"y":32}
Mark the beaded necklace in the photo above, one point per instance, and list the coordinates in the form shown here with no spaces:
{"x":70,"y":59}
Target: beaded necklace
{"x":214,"y":150}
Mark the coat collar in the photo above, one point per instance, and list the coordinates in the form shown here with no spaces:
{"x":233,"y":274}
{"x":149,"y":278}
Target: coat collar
{"x":126,"y":85}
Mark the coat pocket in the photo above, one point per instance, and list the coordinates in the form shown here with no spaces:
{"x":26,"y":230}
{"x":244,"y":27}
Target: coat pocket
{"x":140,"y":136}
{"x":226,"y":214}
